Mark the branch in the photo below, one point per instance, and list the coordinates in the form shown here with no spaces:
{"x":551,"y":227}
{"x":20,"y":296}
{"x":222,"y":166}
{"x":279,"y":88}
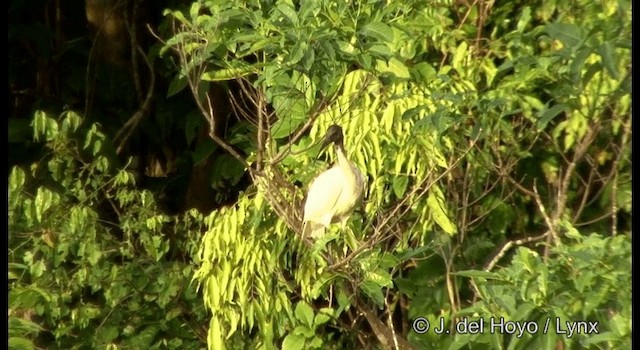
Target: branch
{"x":212,"y":128}
{"x":385,"y":336}
{"x":563,"y":189}
{"x":127,"y":129}
{"x":547,"y":219}
{"x":505,"y":248}
{"x":130,"y":24}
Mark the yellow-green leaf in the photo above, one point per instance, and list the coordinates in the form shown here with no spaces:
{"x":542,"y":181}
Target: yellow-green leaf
{"x":437,"y":206}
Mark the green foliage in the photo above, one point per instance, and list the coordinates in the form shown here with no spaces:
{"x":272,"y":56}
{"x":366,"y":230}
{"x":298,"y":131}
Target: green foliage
{"x":587,"y":280}
{"x":237,"y":261}
{"x":92,"y":262}
{"x":477,"y":127}
{"x":304,"y":336}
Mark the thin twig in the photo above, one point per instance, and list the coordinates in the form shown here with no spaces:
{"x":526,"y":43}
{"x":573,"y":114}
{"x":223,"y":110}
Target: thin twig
{"x":553,"y":237}
{"x":127,"y":129}
{"x":131,"y":25}
{"x":390,"y":324}
{"x":508,"y":245}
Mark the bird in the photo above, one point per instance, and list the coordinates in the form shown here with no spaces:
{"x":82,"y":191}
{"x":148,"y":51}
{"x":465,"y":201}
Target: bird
{"x":334,"y":194}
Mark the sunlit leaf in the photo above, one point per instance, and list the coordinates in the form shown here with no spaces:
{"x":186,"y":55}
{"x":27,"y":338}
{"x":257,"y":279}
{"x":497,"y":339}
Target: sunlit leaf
{"x":436,"y":204}
{"x":293,"y":342}
{"x":378,"y":30}
{"x":304,"y":313}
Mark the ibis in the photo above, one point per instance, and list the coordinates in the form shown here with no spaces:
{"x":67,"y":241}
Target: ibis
{"x":334,"y":194}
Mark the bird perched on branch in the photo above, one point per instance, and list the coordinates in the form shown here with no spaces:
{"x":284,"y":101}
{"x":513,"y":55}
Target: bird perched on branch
{"x":334,"y":194}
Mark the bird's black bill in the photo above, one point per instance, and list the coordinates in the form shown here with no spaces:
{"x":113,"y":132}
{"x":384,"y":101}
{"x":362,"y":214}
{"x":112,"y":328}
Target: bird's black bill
{"x":325,"y":143}
{"x":323,"y":146}
{"x":334,"y":135}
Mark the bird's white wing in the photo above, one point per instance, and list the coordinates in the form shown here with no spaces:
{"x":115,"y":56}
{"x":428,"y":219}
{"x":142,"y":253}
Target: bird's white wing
{"x":323,"y":196}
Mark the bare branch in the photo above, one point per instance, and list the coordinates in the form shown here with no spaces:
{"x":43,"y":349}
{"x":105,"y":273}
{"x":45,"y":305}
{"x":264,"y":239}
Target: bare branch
{"x":510,"y":244}
{"x":563,"y":189}
{"x":127,"y":129}
{"x":383,"y":333}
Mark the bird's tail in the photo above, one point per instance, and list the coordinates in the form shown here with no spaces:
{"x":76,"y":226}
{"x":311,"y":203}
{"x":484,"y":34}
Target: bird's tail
{"x":313,"y":230}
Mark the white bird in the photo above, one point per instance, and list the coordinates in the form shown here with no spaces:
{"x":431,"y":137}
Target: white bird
{"x":334,"y":194}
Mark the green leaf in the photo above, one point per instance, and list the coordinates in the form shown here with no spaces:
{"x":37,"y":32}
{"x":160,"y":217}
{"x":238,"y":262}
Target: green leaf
{"x":44,"y":199}
{"x":459,"y":55}
{"x":601,"y":338}
{"x":525,"y":18}
{"x":71,"y":121}
{"x":39,"y":124}
{"x":346,"y":47}
{"x":16,"y":179}
{"x":202,"y":152}
{"x":177,"y":15}
{"x":214,"y":337}
{"x":193,"y":123}
{"x":393,"y":66}
{"x":380,"y":50}
{"x":436,"y":204}
{"x":304,"y":313}
{"x":44,"y":126}
{"x":297,"y":53}
{"x":19,"y":343}
{"x":289,"y":12}
{"x":412,"y":252}
{"x":460,"y":341}
{"x":258,"y":45}
{"x":177,"y":84}
{"x":544,"y":340}
{"x":609,"y":59}
{"x":570,"y":34}
{"x":423,"y":72}
{"x":293,"y":342}
{"x":321,"y":318}
{"x":194,"y":11}
{"x":108,"y":334}
{"x":523,"y":312}
{"x":399,"y":69}
{"x":577,"y":65}
{"x":373,"y":291}
{"x":379,"y":31}
{"x":380,"y":277}
{"x":229,"y":73}
{"x":590,"y":72}
{"x":22,"y":326}
{"x":400,"y":185}
{"x":546,"y":115}
{"x":144,"y":338}
{"x":343,"y":300}
{"x":293,"y":113}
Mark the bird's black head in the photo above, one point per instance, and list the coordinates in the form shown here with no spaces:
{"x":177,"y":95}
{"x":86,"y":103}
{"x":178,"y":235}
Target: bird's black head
{"x":334,"y":134}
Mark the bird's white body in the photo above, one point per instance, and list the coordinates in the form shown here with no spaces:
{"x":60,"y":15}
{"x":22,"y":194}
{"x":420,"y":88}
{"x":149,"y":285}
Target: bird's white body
{"x":333,"y":196}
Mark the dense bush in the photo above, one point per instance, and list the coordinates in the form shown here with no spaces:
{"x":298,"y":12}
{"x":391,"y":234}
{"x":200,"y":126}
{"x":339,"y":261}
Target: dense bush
{"x":93,"y":263}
